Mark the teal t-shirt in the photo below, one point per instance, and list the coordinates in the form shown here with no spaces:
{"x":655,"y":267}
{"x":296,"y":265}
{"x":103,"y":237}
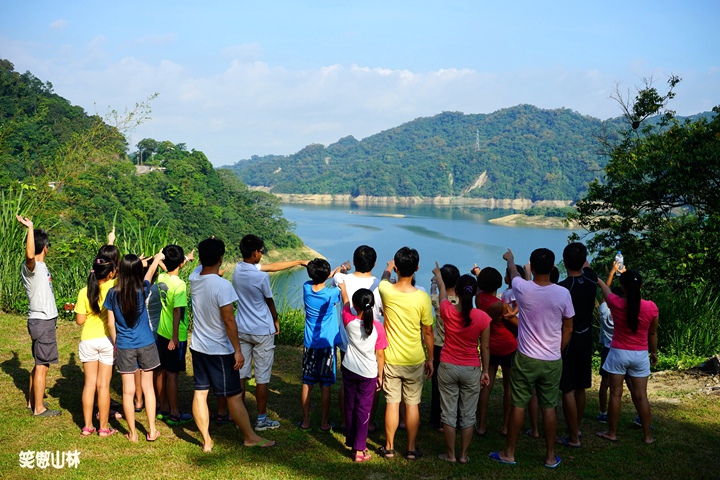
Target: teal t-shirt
{"x":173,"y":294}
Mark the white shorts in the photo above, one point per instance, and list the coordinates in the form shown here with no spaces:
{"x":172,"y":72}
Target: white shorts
{"x":97,"y":350}
{"x":632,"y":362}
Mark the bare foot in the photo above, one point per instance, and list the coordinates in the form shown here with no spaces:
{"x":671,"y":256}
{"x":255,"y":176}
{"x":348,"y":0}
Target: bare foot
{"x":529,"y":432}
{"x":132,"y":438}
{"x":607,"y":436}
{"x":262,"y":443}
{"x":207,"y":447}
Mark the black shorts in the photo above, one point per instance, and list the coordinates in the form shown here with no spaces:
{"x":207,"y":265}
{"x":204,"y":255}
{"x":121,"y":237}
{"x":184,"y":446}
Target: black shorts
{"x":44,"y":340}
{"x":319,"y":366}
{"x":603,"y":355}
{"x":172,"y":361}
{"x":216,"y":371}
{"x":504,"y":361}
{"x":577,"y":362}
{"x":128,"y":360}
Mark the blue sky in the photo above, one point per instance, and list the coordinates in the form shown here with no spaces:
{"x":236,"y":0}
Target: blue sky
{"x":241,"y":78}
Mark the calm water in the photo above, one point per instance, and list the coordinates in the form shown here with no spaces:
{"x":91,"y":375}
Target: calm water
{"x":445,"y":235}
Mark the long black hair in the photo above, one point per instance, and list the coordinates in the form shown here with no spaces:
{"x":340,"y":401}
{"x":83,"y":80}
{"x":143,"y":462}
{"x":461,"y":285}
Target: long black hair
{"x":363,"y":300}
{"x":631,"y":282}
{"x":466,"y":288}
{"x":129,"y":286}
{"x":102,"y":267}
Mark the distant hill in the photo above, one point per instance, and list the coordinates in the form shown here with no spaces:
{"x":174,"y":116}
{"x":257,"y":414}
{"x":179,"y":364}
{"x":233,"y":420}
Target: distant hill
{"x":522,"y":152}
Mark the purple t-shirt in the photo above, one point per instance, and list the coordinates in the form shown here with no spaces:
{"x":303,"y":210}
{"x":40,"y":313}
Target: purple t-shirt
{"x":542,"y":309}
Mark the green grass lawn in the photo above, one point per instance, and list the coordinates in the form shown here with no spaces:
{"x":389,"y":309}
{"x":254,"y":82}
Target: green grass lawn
{"x":687,"y":429}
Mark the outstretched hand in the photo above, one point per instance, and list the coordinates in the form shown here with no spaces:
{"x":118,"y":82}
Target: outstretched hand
{"x":25,"y":221}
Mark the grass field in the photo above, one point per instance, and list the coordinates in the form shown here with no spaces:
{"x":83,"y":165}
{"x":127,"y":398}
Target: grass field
{"x":687,"y":429}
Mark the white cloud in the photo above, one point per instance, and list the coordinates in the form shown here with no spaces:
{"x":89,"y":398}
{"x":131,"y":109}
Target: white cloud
{"x":58,"y":24}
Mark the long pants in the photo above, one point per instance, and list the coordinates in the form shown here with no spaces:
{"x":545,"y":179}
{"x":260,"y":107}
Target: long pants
{"x":359,"y":393}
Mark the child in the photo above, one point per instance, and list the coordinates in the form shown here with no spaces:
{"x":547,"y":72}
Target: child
{"x":502,"y":344}
{"x":42,"y":315}
{"x":96,"y":349}
{"x":362,"y":367}
{"x":321,"y":336}
{"x":130,"y":330}
{"x":172,"y":336}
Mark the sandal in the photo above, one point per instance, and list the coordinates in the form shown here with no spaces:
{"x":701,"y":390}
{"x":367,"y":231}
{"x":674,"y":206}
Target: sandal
{"x":87,"y":431}
{"x":223,"y":419}
{"x":363,"y":456}
{"x":386,"y":453}
{"x":413,"y":455}
{"x":113,"y":414}
{"x":106,"y":432}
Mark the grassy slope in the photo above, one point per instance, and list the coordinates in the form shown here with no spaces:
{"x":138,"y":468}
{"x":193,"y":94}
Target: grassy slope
{"x":687,"y":429}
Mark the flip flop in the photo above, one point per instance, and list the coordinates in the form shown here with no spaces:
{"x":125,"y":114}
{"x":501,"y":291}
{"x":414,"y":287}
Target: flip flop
{"x":445,"y":458}
{"x":106,"y":432}
{"x":87,"y":431}
{"x":558,"y":460}
{"x":152,"y":439}
{"x":529,"y":433}
{"x":362,"y":457}
{"x":467,"y":460}
{"x":300,"y":426}
{"x":264,"y":443}
{"x":496,"y":456}
{"x":329,"y":429}
{"x":566,"y":442}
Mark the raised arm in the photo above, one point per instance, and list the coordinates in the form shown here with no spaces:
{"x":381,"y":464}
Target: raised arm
{"x":613,"y":271}
{"x":512,"y":268}
{"x":154,"y":265}
{"x":343,"y":292}
{"x":442,"y":291}
{"x":111,"y":236}
{"x":387,"y":273}
{"x":29,"y":242}
{"x":279,"y":266}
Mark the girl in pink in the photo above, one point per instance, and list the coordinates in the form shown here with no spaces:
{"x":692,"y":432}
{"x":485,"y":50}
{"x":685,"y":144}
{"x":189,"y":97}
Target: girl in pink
{"x":362,"y":367}
{"x":635,"y":333}
{"x":460,"y":374}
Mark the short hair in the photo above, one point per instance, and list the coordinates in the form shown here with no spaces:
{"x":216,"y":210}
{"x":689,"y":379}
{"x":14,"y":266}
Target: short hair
{"x":519,"y":268}
{"x":41,"y":240}
{"x":364,"y":259}
{"x":574,"y":256}
{"x":251,"y":244}
{"x":174,"y":257}
{"x":554,"y":275}
{"x":318,"y":270}
{"x":211,"y":251}
{"x":406,"y":261}
{"x":489,"y":279}
{"x":542,"y":260}
{"x":450,"y":275}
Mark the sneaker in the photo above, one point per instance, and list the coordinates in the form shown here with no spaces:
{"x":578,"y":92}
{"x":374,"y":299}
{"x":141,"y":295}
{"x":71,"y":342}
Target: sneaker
{"x":266,"y":424}
{"x":602,"y":417}
{"x":179,"y":419}
{"x":638,"y":423}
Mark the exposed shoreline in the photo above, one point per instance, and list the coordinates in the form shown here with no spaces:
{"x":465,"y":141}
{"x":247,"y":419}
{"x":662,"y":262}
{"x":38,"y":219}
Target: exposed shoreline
{"x":535,"y":221}
{"x":370,"y":201}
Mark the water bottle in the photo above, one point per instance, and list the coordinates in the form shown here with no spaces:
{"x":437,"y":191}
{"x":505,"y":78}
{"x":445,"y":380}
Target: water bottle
{"x":620,"y":262}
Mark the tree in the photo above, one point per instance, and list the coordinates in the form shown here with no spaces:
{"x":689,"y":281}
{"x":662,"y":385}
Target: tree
{"x":146,"y":148}
{"x":660,"y":200}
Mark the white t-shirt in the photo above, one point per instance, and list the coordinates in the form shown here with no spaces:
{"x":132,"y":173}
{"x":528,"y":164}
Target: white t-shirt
{"x":209,"y":294}
{"x":360,"y":357}
{"x":353,"y":283}
{"x":38,"y":287}
{"x":252,"y":287}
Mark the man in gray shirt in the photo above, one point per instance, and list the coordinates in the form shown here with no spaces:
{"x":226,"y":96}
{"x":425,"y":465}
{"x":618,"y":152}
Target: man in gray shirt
{"x":42,"y":315}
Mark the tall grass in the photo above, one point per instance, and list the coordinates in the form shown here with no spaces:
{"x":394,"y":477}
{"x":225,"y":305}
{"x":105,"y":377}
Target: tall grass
{"x":12,"y":238}
{"x":689,"y":322}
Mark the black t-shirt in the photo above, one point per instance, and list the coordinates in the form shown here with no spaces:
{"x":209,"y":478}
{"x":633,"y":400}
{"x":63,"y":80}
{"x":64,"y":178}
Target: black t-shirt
{"x":583,"y":290}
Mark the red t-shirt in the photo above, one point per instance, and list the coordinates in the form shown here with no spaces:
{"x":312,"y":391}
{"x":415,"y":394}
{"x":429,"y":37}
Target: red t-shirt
{"x":502,"y":340}
{"x":623,"y":337}
{"x":461,"y":342}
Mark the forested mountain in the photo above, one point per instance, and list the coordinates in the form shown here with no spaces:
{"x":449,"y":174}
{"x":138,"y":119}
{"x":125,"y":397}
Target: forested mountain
{"x":520,"y":152}
{"x":73,"y":172}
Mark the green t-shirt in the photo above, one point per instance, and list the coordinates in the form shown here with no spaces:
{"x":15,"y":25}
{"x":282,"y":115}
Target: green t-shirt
{"x":172,"y":297}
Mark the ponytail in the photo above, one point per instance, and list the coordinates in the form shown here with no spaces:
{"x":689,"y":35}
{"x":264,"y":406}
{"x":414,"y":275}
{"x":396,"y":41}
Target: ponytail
{"x":631,"y":282}
{"x":363,"y":300}
{"x":102,"y":267}
{"x":466,"y":288}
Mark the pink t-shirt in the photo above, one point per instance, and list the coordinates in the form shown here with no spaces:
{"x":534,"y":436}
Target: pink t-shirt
{"x":461,"y":342}
{"x":623,"y":337}
{"x":542,"y":309}
{"x":360,"y":354}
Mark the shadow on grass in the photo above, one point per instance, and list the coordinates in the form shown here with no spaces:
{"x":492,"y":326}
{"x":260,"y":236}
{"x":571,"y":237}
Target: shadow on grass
{"x":21,"y":376}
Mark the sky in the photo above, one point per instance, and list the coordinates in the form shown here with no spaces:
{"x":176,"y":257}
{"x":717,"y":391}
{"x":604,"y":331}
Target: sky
{"x":236,"y":79}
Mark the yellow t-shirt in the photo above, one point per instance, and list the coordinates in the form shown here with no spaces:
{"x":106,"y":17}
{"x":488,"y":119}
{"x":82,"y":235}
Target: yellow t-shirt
{"x":95,"y":325}
{"x":405,"y":313}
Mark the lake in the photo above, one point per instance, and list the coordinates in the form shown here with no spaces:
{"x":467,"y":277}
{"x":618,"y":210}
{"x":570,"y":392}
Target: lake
{"x":458,"y":236}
